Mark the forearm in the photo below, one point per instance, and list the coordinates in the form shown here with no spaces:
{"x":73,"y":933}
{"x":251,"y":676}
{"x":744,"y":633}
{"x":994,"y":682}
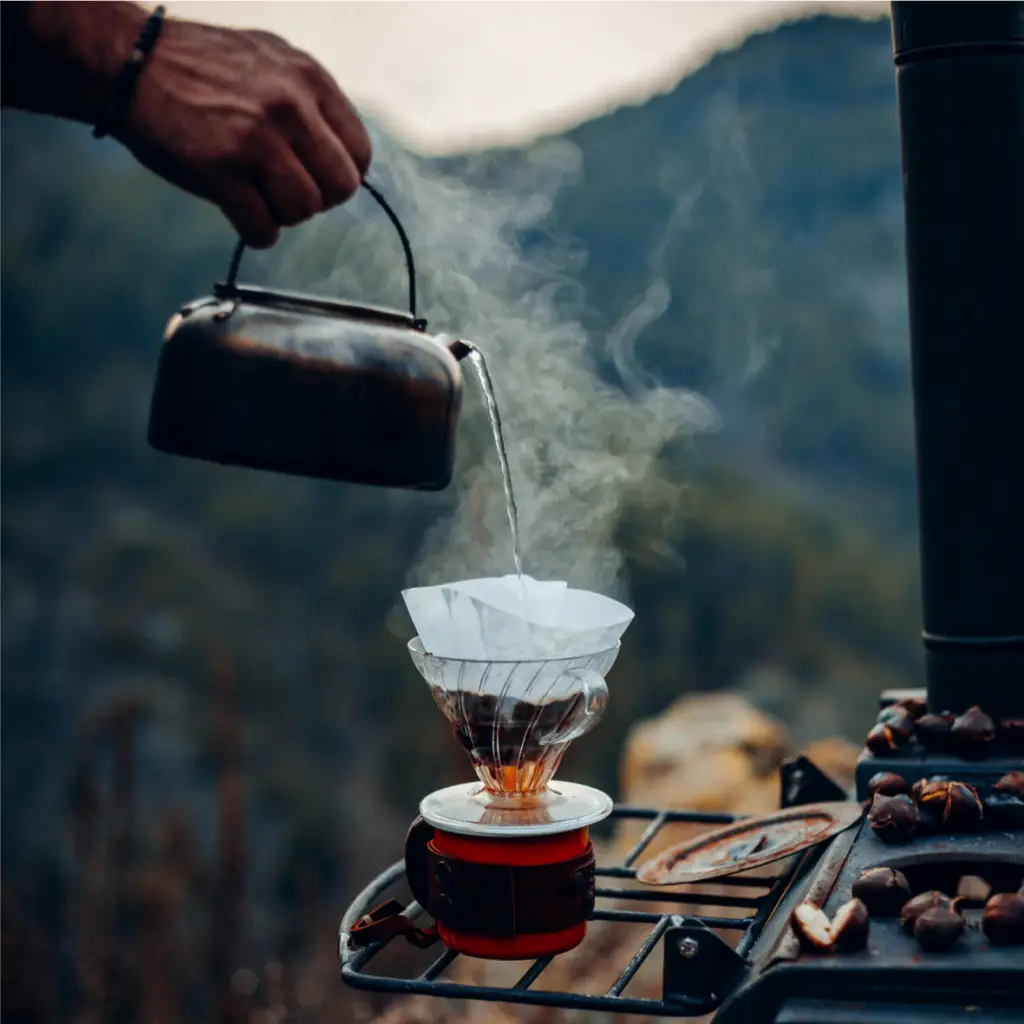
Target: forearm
{"x":62,"y":58}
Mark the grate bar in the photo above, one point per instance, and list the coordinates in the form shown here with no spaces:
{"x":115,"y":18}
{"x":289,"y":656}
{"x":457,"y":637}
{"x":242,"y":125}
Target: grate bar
{"x":747,"y":882}
{"x":439,"y":966}
{"x":682,"y":1006}
{"x":733,"y":923}
{"x":648,"y":917}
{"x":648,"y":834}
{"x":627,"y":916}
{"x":697,"y":817}
{"x":533,"y":972}
{"x":615,"y":872}
{"x":645,"y":917}
{"x":647,"y":896}
{"x":642,"y":954}
{"x":739,"y":881}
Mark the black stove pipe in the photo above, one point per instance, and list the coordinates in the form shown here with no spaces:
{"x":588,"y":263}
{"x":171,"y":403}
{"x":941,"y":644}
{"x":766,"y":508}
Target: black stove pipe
{"x":960,"y":85}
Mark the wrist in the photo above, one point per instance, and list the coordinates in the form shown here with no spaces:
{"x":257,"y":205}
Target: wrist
{"x":79,"y":50}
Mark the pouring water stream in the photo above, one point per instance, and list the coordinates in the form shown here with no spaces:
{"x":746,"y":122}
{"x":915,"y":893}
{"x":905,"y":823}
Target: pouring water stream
{"x":476,"y":358}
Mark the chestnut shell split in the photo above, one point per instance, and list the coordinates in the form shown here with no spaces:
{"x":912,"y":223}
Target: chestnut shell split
{"x":881,"y":740}
{"x":917,"y":787}
{"x":894,"y":819}
{"x":847,"y":931}
{"x":899,"y":719}
{"x":850,"y":926}
{"x":956,"y":804}
{"x":812,"y":927}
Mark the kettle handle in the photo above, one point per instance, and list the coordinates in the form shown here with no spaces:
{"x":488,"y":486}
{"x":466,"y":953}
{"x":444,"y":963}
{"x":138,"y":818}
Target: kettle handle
{"x":236,"y":258}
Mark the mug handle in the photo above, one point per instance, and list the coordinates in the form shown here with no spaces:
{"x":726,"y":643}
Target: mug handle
{"x":594,"y":691}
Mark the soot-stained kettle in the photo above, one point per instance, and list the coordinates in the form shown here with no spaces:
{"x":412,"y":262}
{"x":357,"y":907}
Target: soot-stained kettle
{"x":309,"y":386}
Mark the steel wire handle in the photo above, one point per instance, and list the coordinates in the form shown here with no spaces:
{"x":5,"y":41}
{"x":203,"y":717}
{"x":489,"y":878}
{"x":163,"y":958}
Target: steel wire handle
{"x":236,"y":259}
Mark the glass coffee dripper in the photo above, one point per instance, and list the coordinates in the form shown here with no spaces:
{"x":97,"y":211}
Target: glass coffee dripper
{"x":517,"y":667}
{"x":515,"y":719}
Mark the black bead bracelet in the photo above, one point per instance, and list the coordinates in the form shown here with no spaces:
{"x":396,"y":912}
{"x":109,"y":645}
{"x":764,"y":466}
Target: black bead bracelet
{"x":124,"y":86}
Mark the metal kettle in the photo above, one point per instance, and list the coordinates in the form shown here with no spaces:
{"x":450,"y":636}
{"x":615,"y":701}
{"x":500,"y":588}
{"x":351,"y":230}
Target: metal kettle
{"x":309,"y":386}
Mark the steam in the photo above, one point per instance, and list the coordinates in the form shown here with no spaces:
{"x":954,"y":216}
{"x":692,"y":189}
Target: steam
{"x":578,"y":446}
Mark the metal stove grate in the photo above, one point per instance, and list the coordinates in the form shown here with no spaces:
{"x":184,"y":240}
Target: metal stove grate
{"x":699,"y":968}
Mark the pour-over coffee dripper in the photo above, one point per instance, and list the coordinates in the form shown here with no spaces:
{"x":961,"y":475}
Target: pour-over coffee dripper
{"x":505,"y":864}
{"x":515,"y":720}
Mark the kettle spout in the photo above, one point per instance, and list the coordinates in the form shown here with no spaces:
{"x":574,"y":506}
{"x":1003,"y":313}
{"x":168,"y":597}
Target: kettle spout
{"x":460,"y":349}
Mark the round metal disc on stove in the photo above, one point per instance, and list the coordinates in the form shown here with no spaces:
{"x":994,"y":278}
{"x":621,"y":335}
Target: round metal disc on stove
{"x":749,"y":843}
{"x":469,"y":810}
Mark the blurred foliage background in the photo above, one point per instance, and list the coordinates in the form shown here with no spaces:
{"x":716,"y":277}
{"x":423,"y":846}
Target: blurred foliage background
{"x":212,"y":737}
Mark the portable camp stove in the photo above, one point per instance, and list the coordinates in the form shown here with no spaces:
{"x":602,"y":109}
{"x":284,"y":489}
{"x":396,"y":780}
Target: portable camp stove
{"x":699,"y":966}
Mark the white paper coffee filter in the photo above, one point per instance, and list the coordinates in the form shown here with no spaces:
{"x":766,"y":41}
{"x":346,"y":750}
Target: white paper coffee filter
{"x":508,"y":619}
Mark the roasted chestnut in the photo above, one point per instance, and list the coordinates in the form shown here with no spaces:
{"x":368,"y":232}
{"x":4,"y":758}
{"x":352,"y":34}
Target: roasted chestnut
{"x":972,"y":733}
{"x":1003,"y":810}
{"x":850,"y":926}
{"x":1002,"y":920}
{"x":1012,"y":783}
{"x":894,"y":819}
{"x":914,"y":706}
{"x":957,"y":804}
{"x":899,"y":720}
{"x":882,"y":890}
{"x":887,"y":783}
{"x":915,"y":907}
{"x":881,"y":740}
{"x":932,"y":731}
{"x":812,"y":927}
{"x":915,"y":789}
{"x":938,"y":929}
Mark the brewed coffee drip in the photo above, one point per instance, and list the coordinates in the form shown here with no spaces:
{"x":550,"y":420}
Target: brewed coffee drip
{"x":515,"y":745}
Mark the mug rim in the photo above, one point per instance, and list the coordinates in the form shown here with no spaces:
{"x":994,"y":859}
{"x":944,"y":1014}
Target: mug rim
{"x":422,"y":653}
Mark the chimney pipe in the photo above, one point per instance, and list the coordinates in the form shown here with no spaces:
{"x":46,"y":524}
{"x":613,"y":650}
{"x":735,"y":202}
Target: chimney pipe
{"x":960,"y":86}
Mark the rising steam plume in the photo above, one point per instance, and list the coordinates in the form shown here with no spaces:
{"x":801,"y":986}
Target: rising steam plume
{"x":578,"y":445}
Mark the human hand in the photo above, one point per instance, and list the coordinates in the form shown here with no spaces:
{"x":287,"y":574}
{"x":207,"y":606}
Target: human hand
{"x":245,"y":120}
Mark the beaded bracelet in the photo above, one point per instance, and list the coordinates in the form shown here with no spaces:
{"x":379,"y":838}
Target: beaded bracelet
{"x":121,"y":94}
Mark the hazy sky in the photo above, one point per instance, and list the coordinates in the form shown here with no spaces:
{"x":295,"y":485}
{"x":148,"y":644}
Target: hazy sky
{"x":449,"y":74}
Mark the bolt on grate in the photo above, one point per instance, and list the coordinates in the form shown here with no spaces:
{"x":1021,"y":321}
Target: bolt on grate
{"x":700,"y":969}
